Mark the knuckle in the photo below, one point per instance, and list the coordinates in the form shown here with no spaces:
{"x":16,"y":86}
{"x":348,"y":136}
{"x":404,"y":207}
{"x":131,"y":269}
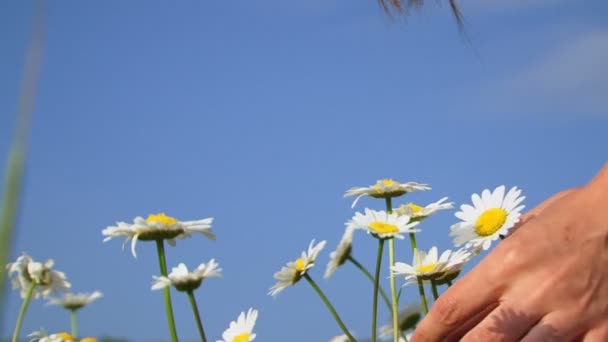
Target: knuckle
{"x":447,"y":310}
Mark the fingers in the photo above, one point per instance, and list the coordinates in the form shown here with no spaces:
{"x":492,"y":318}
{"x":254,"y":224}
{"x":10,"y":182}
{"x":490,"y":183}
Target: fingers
{"x":599,"y":333}
{"x":555,"y":327}
{"x":541,"y":207}
{"x":456,"y":335}
{"x":468,"y":296}
{"x":506,"y":323}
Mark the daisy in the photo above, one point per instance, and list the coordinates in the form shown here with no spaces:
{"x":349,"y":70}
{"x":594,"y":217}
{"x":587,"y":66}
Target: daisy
{"x":29,"y":271}
{"x":455,"y":262}
{"x":424,"y":266}
{"x":340,"y":338}
{"x":385,"y":188}
{"x":72,"y":301}
{"x":492,"y":215}
{"x":242,"y":329}
{"x":416,"y":212}
{"x":382,"y":224}
{"x":42,"y":336}
{"x":295,"y":270}
{"x":408,"y":319}
{"x":186,"y":281}
{"x":338,"y":257}
{"x":158,"y":227}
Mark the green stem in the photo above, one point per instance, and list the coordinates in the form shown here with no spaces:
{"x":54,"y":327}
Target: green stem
{"x":391,"y":261}
{"x":371,"y":278}
{"x":160,"y":247}
{"x":449,"y":283}
{"x":199,"y":323}
{"x":376,"y":286}
{"x":423,"y":304}
{"x":74,"y":323}
{"x":329,"y":306}
{"x":22,"y":311}
{"x":434,"y":288}
{"x":413,"y":241}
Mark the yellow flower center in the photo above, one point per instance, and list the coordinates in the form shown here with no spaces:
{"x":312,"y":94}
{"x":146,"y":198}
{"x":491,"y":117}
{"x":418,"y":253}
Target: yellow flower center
{"x":426,"y":268}
{"x":414,"y":207}
{"x":161,"y":218}
{"x":490,"y":221}
{"x":65,"y":336}
{"x":383,"y":227}
{"x":300,"y":265}
{"x":88,"y":339}
{"x":388,"y":182}
{"x":244,"y":337}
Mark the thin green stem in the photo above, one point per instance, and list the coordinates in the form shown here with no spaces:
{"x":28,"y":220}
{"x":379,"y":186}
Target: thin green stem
{"x":199,"y":322}
{"x":376,"y":286}
{"x":391,"y":263}
{"x":160,"y":247}
{"x":329,"y":306}
{"x":423,"y":303}
{"x":371,"y":278}
{"x":74,"y":323}
{"x":22,"y":311}
{"x":434,"y":288}
{"x":413,"y":241}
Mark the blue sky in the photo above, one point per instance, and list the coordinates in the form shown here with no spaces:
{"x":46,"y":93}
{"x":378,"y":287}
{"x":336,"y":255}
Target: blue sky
{"x":261,"y":114}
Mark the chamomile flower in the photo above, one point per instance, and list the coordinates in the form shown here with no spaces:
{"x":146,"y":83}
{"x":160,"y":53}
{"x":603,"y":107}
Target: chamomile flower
{"x":295,"y":270}
{"x":186,"y":281}
{"x":424,"y":266}
{"x":241,"y":330}
{"x":408,"y":318}
{"x":158,"y":227}
{"x":455,"y":262}
{"x":75,"y":301}
{"x":42,"y":336}
{"x":385,"y":188}
{"x":338,"y":257}
{"x":340,"y":338}
{"x":29,"y":271}
{"x":491,"y":215}
{"x":416,"y":212}
{"x":382,"y":224}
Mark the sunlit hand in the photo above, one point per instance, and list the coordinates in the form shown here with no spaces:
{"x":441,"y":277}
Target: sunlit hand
{"x":548,"y":281}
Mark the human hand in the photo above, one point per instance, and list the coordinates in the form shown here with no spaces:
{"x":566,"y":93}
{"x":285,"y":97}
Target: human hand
{"x":548,"y":281}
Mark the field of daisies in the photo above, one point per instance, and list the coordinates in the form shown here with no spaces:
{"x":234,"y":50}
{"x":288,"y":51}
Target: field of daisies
{"x":393,"y":224}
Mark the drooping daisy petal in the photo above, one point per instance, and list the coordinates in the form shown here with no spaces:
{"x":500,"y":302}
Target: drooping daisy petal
{"x":385,"y":188}
{"x":295,"y":270}
{"x":186,"y":281}
{"x":425,"y":266}
{"x":29,"y":271}
{"x":493,"y":214}
{"x":158,"y":227}
{"x":75,"y":301}
{"x":338,"y":257}
{"x":241,"y":330}
{"x":416,"y":212}
{"x":382,"y":224}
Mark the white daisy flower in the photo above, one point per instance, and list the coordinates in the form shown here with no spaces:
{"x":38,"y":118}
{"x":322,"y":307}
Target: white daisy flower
{"x":455,"y":262}
{"x":340,"y":338}
{"x":408,"y":319}
{"x":241,"y":330}
{"x":492,"y":215}
{"x":186,"y":281}
{"x":158,"y":227}
{"x":382,"y":224}
{"x":29,"y":271}
{"x":338,"y":257}
{"x":75,"y":301}
{"x":416,"y":212}
{"x":42,"y":336}
{"x":385,"y":188}
{"x":295,"y":270}
{"x":425,"y":266}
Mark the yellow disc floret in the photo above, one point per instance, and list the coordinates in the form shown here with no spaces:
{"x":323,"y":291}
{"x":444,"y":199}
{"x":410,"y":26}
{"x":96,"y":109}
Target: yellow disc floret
{"x":414,"y":207}
{"x":379,"y":227}
{"x":244,"y":337}
{"x":65,"y":336}
{"x":300,"y":265}
{"x":161,"y":218}
{"x":490,"y":221}
{"x":427,"y":268}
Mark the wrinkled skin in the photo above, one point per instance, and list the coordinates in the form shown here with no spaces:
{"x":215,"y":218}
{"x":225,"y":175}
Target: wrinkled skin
{"x":547,"y":281}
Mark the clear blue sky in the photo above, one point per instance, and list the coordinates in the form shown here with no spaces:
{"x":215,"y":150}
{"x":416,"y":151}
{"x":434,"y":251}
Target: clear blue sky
{"x":261,"y":114}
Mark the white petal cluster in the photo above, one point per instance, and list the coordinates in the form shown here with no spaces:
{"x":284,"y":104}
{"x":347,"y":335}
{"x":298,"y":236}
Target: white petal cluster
{"x":294,"y":270}
{"x":385,"y":188}
{"x":75,"y":301}
{"x":29,"y":271}
{"x":382,"y":224}
{"x":241,"y":330}
{"x":183,"y":280}
{"x":416,"y":212}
